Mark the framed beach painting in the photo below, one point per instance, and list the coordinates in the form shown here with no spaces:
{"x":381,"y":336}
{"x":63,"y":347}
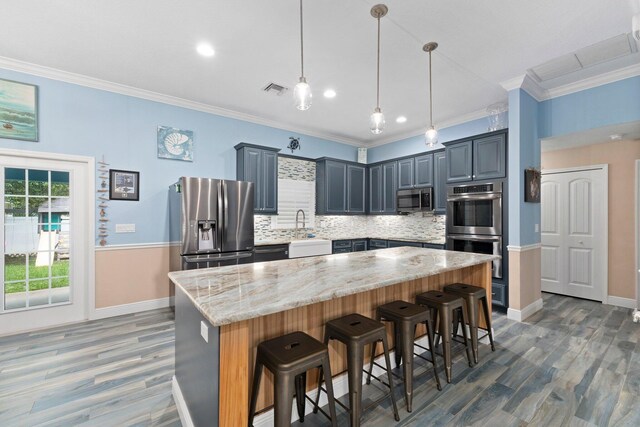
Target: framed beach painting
{"x":124,"y":185}
{"x":18,"y":111}
{"x":175,"y":144}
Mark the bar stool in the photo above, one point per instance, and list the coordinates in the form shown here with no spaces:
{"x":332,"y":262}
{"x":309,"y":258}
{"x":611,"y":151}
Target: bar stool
{"x":444,"y":306}
{"x":473,"y":295}
{"x":289,"y":357}
{"x":405,"y":316}
{"x":356,"y":331}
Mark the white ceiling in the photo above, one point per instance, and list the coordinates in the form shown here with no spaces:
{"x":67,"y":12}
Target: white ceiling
{"x":150,"y":44}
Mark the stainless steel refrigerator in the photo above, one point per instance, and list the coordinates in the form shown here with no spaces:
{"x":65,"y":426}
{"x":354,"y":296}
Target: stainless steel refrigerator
{"x":212,"y":219}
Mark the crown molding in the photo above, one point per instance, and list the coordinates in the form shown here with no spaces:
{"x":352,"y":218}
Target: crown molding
{"x":595,"y":81}
{"x":94,"y":83}
{"x":528,"y":84}
{"x":474,"y":115}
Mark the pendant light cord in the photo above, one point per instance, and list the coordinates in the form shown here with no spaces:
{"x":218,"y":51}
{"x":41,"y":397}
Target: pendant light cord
{"x":430,"y":94}
{"x":301,"y":43}
{"x":378,"y":70}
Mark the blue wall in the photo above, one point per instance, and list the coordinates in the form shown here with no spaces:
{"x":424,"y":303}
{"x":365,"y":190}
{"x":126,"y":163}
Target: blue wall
{"x":415,"y":144}
{"x":613,"y":103}
{"x":83,"y":121}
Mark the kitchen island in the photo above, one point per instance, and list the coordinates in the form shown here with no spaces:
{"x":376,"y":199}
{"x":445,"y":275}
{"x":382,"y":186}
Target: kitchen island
{"x":222,"y":314}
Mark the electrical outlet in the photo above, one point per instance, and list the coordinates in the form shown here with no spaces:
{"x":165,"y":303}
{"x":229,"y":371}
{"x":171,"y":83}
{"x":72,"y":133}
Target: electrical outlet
{"x":125,"y":228}
{"x":536,"y":228}
{"x":204,"y":331}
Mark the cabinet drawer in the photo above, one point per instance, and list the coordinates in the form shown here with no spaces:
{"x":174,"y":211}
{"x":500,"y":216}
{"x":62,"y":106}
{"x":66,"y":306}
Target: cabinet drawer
{"x":499,"y":294}
{"x":400,"y":244}
{"x":432,"y":246}
{"x":339,"y":244}
{"x":342,"y":250}
{"x":377,"y":244}
{"x":358,"y":245}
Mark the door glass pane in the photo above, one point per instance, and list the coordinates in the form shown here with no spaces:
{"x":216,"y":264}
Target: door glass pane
{"x":36,"y":247}
{"x":14,"y":182}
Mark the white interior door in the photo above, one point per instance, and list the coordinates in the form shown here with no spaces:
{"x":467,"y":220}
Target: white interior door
{"x":574,"y":232}
{"x":44,"y":227}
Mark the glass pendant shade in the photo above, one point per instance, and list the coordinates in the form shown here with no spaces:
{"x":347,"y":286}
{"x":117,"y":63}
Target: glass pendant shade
{"x":431,"y":137}
{"x":376,"y":122}
{"x":302,"y":95}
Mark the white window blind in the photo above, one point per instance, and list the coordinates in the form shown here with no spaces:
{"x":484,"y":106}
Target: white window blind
{"x":294,"y":195}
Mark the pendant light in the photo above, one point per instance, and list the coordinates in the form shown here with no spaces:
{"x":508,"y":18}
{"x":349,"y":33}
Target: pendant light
{"x":431,"y":136}
{"x":302,"y":91}
{"x":376,"y":122}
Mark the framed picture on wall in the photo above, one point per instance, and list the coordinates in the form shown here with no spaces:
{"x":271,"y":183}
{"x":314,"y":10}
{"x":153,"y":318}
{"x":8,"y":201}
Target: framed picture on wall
{"x":532,"y":185}
{"x":18,"y":111}
{"x":124,"y":185}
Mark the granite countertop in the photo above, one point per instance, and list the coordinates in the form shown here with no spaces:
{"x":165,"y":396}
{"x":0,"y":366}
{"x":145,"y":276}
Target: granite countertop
{"x":234,"y":293}
{"x":286,"y":241}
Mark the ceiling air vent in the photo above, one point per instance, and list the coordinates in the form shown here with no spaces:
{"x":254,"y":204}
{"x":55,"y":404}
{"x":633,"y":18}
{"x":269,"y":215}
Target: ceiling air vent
{"x":275,"y":88}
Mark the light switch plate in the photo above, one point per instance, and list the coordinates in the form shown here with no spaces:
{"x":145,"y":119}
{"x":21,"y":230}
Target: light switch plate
{"x":204,"y":331}
{"x":125,"y":228}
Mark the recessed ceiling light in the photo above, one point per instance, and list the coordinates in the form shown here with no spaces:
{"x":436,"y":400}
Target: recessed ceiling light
{"x":205,"y":49}
{"x":329,"y":93}
{"x":401,"y":119}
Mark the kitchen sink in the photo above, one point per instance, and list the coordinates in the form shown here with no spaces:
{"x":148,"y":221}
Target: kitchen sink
{"x":309,"y":247}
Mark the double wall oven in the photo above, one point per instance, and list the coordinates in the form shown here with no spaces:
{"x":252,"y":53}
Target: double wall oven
{"x":474,"y":220}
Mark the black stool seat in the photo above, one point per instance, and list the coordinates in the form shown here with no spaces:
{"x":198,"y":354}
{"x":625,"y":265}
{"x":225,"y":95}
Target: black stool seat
{"x":472,"y":296}
{"x":445,"y":309}
{"x":356,"y":331}
{"x":405,"y":316}
{"x":289,"y":357}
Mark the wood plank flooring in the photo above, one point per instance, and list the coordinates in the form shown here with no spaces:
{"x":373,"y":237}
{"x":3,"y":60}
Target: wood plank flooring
{"x":575,"y":363}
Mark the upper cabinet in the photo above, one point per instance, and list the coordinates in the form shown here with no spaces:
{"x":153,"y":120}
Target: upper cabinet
{"x":405,"y":173}
{"x":389,"y":186}
{"x":440,"y":182}
{"x":259,"y":165}
{"x":340,"y":187}
{"x":375,"y":189}
{"x":478,"y":159}
{"x":424,"y":170}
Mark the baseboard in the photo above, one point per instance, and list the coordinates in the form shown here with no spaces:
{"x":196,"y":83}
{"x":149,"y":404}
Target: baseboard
{"x":520,"y":315}
{"x":134,"y":307}
{"x":181,"y":404}
{"x":621,"y":302}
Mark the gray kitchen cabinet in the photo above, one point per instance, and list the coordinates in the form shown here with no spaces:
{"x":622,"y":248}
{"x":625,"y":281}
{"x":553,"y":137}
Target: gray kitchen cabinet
{"x":401,"y":243}
{"x":259,"y":165}
{"x":440,"y":182}
{"x":271,"y":253}
{"x":356,"y":189}
{"x":389,"y":186}
{"x":359,"y":245}
{"x":424,"y":170}
{"x":375,"y":189}
{"x":377,"y":244}
{"x":405,"y":174}
{"x":489,"y":157}
{"x":459,"y":164}
{"x":341,"y":187}
{"x":433,"y":246}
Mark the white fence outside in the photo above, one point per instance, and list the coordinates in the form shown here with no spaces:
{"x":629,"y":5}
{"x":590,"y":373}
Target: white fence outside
{"x":20,"y":235}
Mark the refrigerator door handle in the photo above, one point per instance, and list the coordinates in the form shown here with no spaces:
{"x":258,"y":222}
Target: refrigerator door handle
{"x":226,"y":207}
{"x":221,"y":223}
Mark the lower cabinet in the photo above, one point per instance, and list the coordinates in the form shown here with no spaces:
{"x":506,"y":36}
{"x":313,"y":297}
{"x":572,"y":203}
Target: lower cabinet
{"x":499,"y":294}
{"x":433,"y":246}
{"x":341,"y":246}
{"x":400,"y":243}
{"x":377,"y":244}
{"x":271,"y":253}
{"x":359,"y":245}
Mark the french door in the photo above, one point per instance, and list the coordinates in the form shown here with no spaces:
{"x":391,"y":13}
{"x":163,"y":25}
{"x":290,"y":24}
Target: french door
{"x":44,"y":229}
{"x":574,"y":232}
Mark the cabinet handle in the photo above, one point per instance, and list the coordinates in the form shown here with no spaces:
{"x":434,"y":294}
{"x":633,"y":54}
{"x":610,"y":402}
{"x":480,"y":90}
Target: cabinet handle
{"x":493,"y":294}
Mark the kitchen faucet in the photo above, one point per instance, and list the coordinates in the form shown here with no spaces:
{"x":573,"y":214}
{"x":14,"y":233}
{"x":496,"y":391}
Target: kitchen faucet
{"x":303,"y":221}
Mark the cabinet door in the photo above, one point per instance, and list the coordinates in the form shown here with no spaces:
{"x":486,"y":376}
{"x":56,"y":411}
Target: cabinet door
{"x":405,"y":174}
{"x":359,"y":245}
{"x":336,"y":191}
{"x":375,"y":189}
{"x":424,"y":171}
{"x":252,"y":172}
{"x":489,"y":157}
{"x":459,"y":166}
{"x":356,"y":189}
{"x":440,"y":182}
{"x":390,"y":186}
{"x":269,"y":175}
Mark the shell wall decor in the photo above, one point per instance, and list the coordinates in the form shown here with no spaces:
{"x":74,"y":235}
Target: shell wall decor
{"x":103,"y":199}
{"x":175,"y":144}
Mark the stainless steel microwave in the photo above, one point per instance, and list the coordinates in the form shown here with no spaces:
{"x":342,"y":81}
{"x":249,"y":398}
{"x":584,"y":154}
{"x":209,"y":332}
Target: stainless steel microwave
{"x":415,"y":200}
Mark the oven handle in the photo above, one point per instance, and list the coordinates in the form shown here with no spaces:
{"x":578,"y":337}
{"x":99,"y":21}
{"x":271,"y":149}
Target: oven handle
{"x":476,"y":239}
{"x":475,"y":197}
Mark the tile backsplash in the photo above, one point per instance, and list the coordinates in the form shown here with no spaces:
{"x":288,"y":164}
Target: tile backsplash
{"x":418,"y":225}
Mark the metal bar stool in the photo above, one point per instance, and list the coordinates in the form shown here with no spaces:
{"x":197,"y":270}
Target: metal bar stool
{"x":405,"y":316}
{"x":444,"y":307}
{"x":356,"y":331}
{"x":289,"y":357}
{"x":473,"y":295}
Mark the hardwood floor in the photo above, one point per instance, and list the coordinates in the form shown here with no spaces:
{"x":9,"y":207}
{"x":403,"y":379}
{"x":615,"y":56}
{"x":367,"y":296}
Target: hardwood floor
{"x":575,"y":363}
